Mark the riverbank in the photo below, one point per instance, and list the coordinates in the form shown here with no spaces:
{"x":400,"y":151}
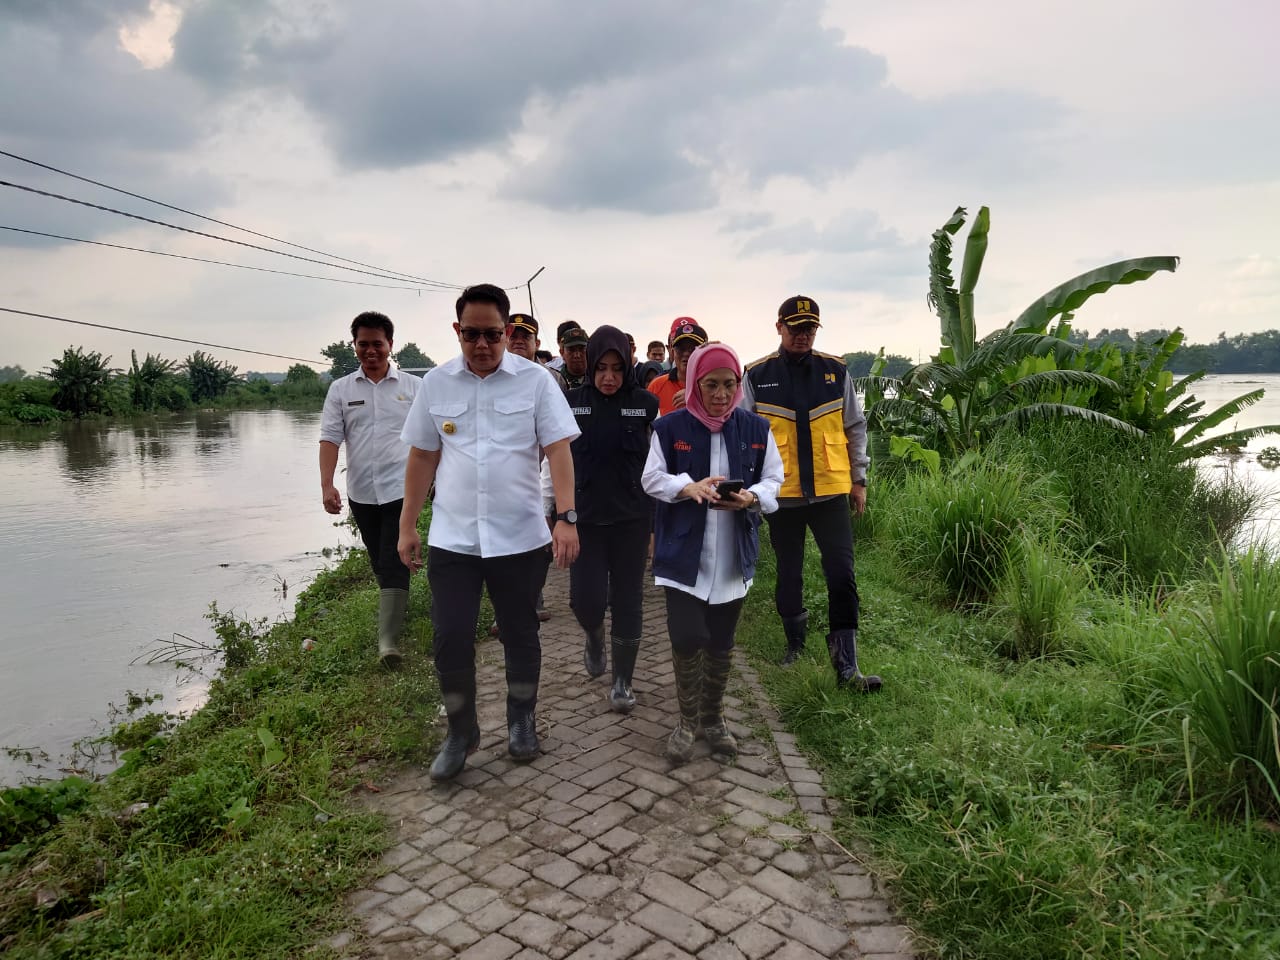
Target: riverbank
{"x":233,"y":833}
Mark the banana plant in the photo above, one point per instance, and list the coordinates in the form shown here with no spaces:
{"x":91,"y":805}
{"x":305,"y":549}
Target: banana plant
{"x":1020,"y":373}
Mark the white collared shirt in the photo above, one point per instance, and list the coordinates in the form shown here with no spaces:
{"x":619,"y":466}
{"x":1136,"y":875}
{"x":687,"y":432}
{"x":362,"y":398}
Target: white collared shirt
{"x":490,"y":431}
{"x":719,"y":573}
{"x":369,"y":416}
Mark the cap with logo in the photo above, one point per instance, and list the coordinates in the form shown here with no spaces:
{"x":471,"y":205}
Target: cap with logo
{"x":570,"y":334}
{"x":796,"y":310}
{"x":523,"y":321}
{"x":688,"y":332}
{"x":676,"y":324}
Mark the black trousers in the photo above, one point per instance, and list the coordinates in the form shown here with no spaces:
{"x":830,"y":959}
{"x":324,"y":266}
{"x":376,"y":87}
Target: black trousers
{"x":833,"y":532}
{"x":456,"y":581}
{"x":609,"y":572}
{"x":695,"y":625}
{"x":379,"y":526}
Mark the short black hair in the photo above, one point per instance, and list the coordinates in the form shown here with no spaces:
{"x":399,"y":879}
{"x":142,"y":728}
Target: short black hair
{"x":485,"y":293}
{"x":655,"y":343}
{"x":374,"y":321}
{"x":544,"y":356}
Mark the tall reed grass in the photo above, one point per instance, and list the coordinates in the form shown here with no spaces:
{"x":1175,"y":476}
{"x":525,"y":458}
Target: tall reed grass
{"x":958,"y":526}
{"x":1040,"y":594}
{"x":1225,"y":671}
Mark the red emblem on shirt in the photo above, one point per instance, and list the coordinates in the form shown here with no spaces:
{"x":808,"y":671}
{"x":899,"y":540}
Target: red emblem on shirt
{"x":684,"y":446}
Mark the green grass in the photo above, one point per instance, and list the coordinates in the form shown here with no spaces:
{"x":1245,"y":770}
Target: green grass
{"x":250,"y":837}
{"x":1028,"y":809}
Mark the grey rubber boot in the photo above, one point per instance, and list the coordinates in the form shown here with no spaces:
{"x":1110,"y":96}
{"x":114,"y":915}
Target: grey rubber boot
{"x":392,"y":605}
{"x":593,"y":657}
{"x":843,"y":647}
{"x":688,"y":671}
{"x":715,"y":677}
{"x":458,"y":691}
{"x":794,"y":629}
{"x":621,"y":697}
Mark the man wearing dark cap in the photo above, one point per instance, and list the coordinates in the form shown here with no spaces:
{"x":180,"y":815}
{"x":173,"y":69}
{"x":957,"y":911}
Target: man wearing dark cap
{"x":572,"y":340}
{"x":686,"y":336}
{"x":523,"y":342}
{"x":821,"y":432}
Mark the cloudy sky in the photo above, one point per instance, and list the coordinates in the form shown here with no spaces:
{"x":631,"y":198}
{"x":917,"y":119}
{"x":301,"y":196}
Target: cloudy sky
{"x":658,"y":158}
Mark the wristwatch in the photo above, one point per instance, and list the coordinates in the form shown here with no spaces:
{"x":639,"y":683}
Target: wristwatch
{"x":569,"y":516}
{"x":861,"y":483}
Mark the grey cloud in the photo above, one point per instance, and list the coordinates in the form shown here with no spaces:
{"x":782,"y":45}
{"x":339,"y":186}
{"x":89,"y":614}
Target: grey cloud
{"x":853,"y":231}
{"x":747,"y":222}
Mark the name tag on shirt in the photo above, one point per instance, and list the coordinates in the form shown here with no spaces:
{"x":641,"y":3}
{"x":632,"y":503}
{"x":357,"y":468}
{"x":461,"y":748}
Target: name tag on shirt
{"x":355,"y":403}
{"x":634,"y":412}
{"x":581,"y":411}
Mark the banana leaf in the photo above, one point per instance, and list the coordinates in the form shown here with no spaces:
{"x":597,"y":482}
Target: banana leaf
{"x":1072,"y":294}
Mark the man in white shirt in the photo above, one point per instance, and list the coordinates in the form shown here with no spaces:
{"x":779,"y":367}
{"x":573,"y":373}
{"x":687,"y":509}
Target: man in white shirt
{"x":367,"y":410}
{"x":476,"y":430}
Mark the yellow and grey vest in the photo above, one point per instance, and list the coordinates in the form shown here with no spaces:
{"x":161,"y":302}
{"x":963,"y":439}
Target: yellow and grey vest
{"x":804,"y":404}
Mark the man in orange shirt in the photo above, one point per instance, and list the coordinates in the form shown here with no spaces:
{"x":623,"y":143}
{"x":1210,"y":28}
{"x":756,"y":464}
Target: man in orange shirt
{"x":686,"y":336}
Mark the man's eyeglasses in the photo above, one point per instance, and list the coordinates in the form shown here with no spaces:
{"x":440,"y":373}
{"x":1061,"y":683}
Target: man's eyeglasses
{"x":803,"y":329}
{"x":490,"y":334}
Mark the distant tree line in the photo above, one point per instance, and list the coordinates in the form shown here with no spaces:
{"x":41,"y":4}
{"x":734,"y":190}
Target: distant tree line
{"x":84,"y":384}
{"x":1242,"y":353}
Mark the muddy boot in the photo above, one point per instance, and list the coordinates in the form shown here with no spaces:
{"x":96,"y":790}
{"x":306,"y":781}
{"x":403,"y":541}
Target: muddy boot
{"x":688,"y":671}
{"x":593,"y":657}
{"x":458,"y":691}
{"x":843,"y":647}
{"x":522,"y":702}
{"x":622,"y":698}
{"x":392,"y":605}
{"x":715,"y":677}
{"x":794,"y":629}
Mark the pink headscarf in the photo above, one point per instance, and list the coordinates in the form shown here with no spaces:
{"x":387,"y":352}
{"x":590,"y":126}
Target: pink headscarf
{"x":708,"y":357}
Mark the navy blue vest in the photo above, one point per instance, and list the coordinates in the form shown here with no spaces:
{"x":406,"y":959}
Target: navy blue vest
{"x":679,"y":526}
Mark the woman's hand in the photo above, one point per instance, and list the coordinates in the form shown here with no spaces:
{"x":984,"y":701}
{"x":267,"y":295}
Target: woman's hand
{"x":742,"y":500}
{"x":702,"y":491}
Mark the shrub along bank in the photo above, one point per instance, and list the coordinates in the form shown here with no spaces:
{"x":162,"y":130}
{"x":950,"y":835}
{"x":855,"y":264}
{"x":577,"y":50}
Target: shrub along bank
{"x":1075,"y":751}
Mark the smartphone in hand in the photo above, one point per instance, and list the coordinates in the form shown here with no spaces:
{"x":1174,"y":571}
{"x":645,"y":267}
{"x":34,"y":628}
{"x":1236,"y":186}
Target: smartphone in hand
{"x":723,"y":489}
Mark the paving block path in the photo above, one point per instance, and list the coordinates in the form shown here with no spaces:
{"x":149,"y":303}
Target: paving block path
{"x":601,"y":849}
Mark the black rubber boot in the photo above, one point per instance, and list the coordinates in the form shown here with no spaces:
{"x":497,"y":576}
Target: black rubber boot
{"x":522,"y":700}
{"x":794,"y":628}
{"x":593,"y":657}
{"x":843,"y":647}
{"x":715,"y":677}
{"x":458,"y":690}
{"x":622,"y":698}
{"x":688,"y":671}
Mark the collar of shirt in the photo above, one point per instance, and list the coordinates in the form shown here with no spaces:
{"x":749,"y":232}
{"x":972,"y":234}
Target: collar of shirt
{"x":393,"y":372}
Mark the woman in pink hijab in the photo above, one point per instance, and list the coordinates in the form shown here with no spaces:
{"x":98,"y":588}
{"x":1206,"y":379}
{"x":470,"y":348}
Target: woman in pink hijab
{"x":714,"y":470}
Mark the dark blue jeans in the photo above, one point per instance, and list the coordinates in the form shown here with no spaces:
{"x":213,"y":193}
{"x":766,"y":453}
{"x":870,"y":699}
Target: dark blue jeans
{"x":833,"y":532}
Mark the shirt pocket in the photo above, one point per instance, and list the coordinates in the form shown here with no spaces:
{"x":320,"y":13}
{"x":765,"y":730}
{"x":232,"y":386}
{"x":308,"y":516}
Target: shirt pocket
{"x":514,"y":421}
{"x":450,"y":419}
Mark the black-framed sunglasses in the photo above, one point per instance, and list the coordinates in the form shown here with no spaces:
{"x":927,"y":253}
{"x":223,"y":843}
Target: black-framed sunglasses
{"x":490,"y":334}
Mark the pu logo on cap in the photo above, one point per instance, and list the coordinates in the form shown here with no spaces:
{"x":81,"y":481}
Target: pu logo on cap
{"x":803,"y":306}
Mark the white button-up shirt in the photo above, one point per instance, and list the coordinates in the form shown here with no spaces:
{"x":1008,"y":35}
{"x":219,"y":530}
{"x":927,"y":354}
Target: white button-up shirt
{"x":719,"y":574}
{"x":369,"y":416}
{"x":489,"y":431}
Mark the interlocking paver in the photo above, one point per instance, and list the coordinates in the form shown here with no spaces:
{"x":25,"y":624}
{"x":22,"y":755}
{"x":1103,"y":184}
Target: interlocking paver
{"x":601,"y":849}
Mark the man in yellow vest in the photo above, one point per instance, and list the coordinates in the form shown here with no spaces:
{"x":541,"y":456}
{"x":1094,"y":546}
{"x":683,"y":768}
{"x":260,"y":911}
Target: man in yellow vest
{"x":821,"y":433}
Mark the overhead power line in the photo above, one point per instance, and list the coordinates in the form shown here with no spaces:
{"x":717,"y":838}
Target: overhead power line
{"x":161,"y":336}
{"x":212,"y":236}
{"x":221,"y":223}
{"x":223,"y":263}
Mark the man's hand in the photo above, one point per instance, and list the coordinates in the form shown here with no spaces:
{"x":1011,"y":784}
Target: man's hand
{"x":409,"y":546}
{"x":858,"y":499}
{"x":331,"y":498}
{"x":677,"y":401}
{"x":564,"y":544}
